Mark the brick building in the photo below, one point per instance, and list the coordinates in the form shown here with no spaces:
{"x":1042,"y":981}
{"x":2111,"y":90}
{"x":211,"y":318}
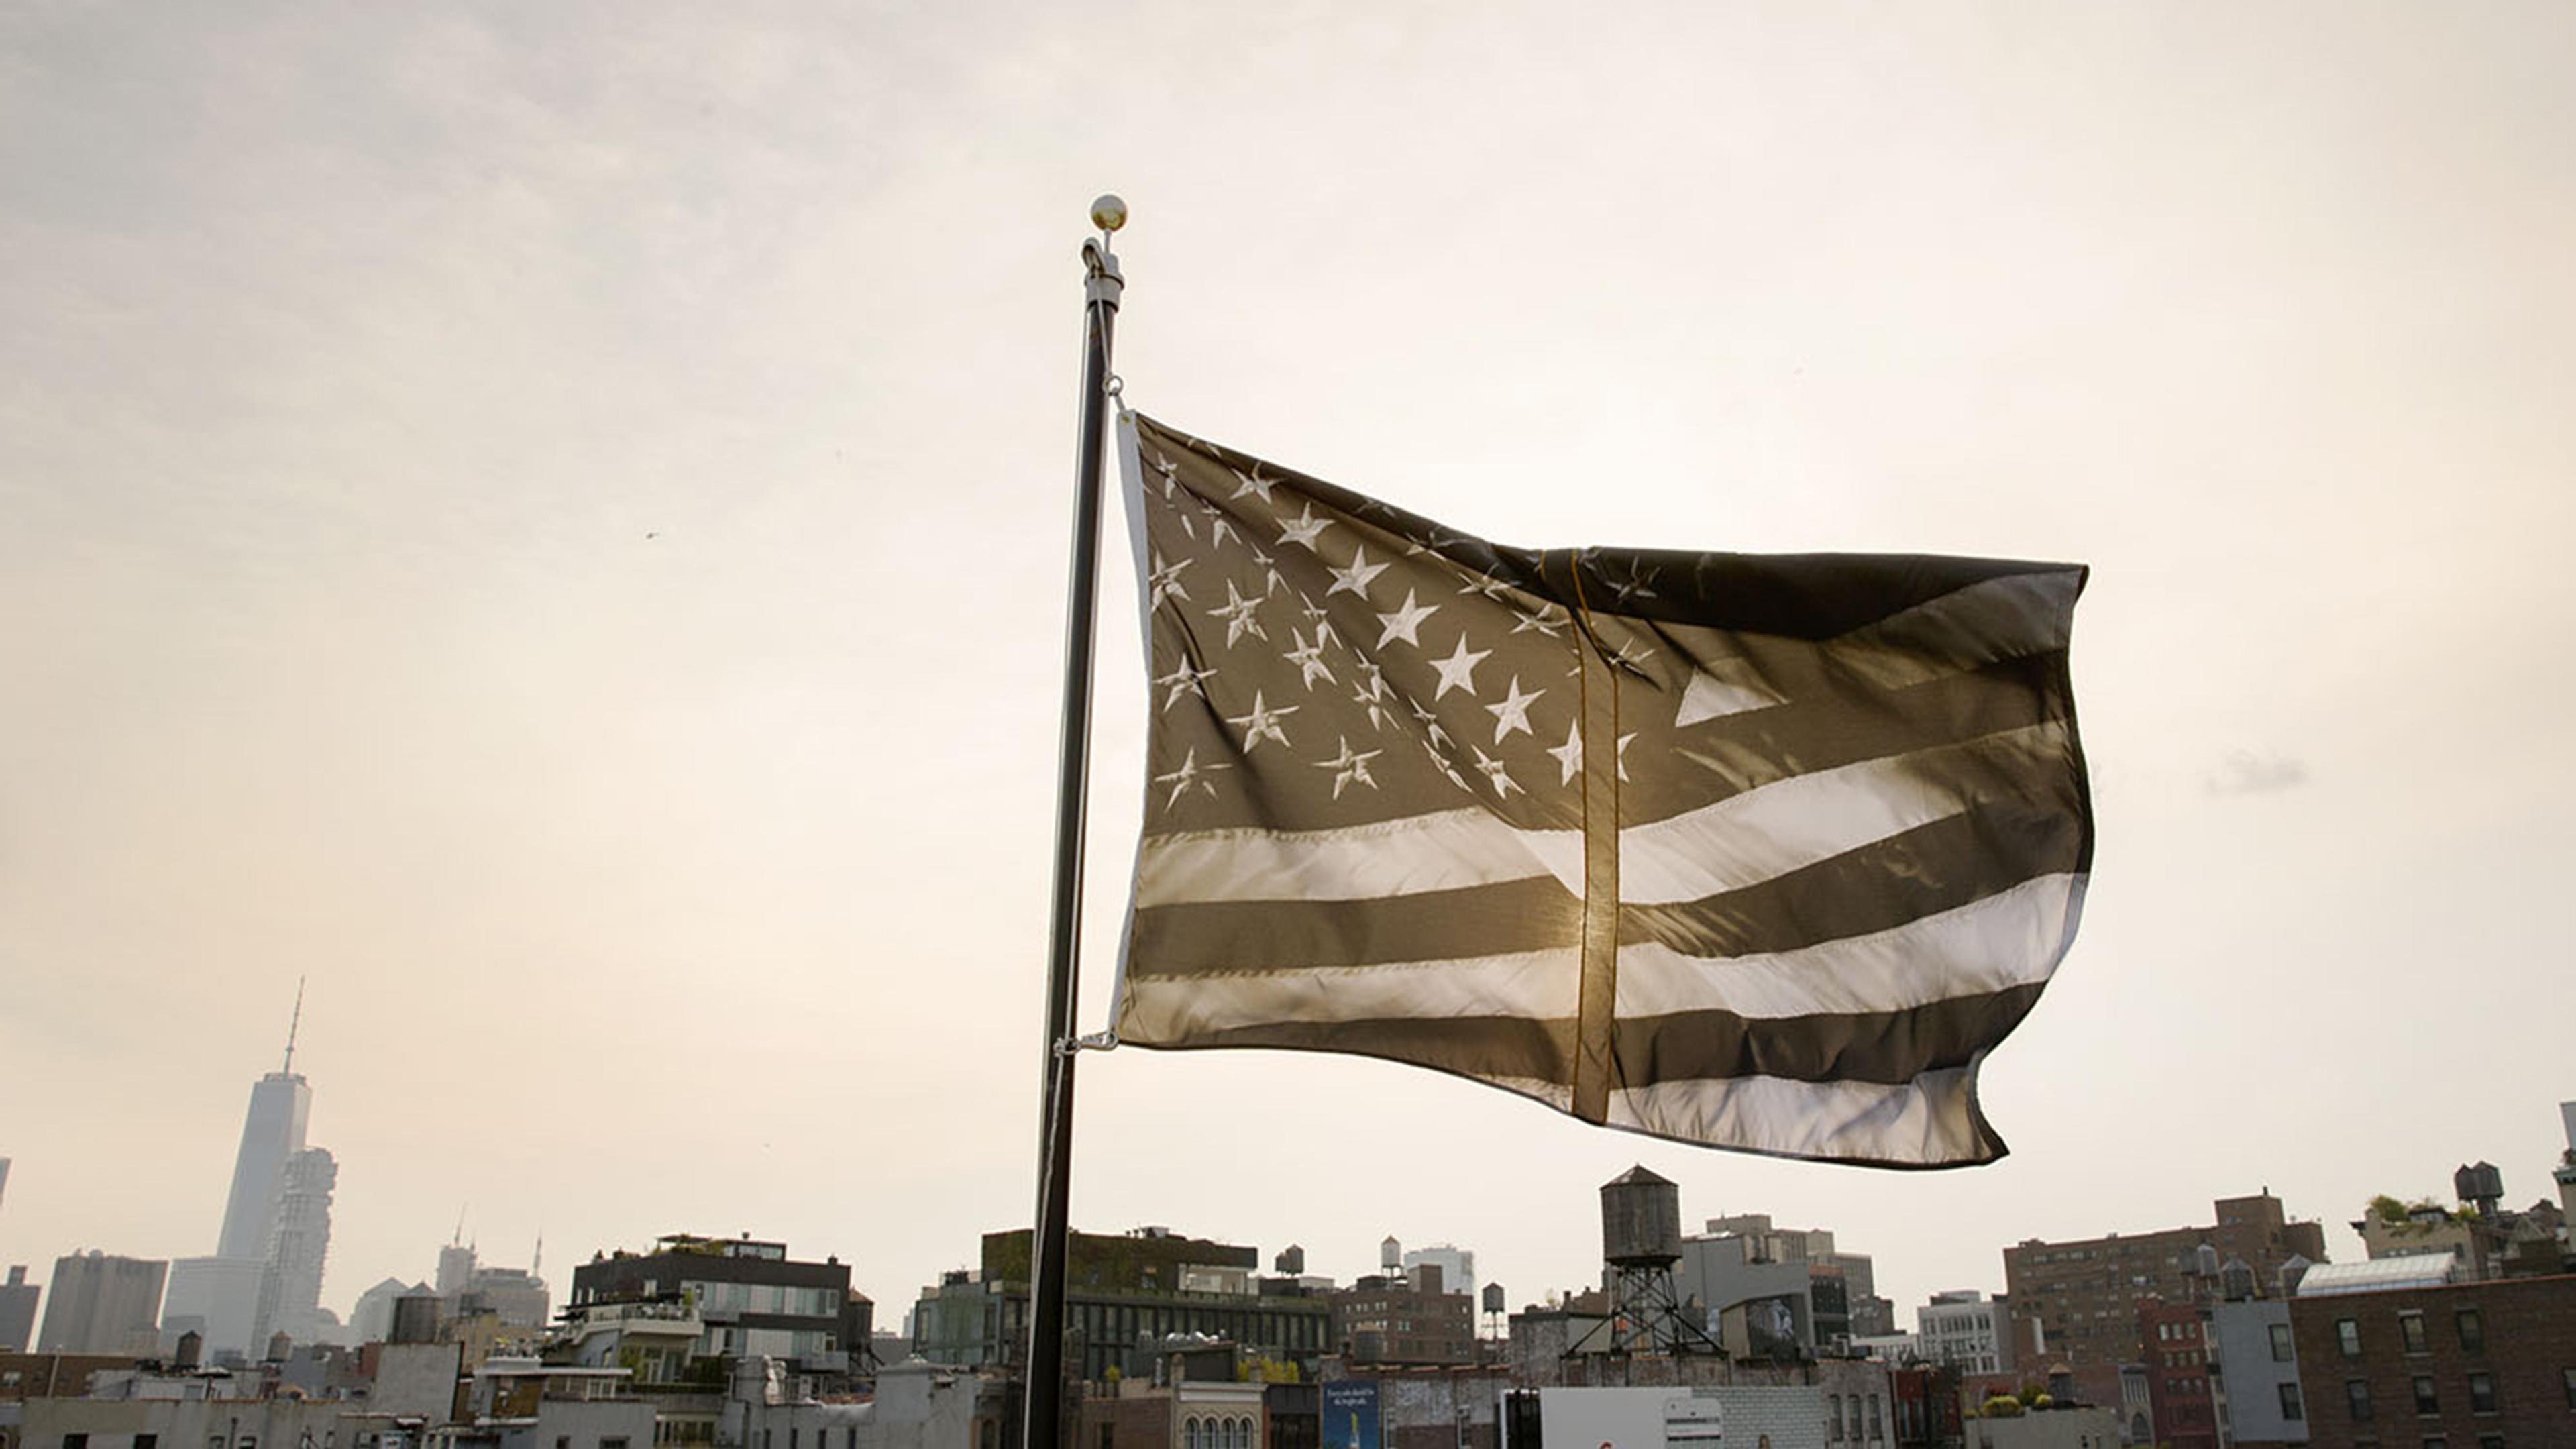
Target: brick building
{"x":2460,"y":1365}
{"x":53,"y":1375}
{"x":1411,"y":1319}
{"x":2174,"y":1343}
{"x":2082,"y":1295}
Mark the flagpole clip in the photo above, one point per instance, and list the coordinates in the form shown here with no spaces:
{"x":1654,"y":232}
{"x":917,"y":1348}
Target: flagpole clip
{"x":1098,"y":1041}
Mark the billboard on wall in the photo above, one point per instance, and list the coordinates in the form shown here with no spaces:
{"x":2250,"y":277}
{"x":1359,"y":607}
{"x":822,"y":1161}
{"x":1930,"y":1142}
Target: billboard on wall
{"x":1350,"y":1414}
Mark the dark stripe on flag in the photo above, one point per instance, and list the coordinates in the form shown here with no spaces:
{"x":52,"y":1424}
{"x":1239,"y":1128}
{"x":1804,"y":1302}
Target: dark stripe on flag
{"x":1238,"y":936}
{"x":1889,"y":1047}
{"x":1483,"y":1047}
{"x":1799,"y":596}
{"x":1931,"y":868}
{"x":1724,"y":757}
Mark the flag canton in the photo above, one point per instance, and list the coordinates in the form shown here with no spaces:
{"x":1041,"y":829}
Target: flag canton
{"x":1321,"y":659}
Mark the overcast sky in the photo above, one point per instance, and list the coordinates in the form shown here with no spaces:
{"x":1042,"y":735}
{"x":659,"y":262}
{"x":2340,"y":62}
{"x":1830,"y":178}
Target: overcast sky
{"x":549,"y":522}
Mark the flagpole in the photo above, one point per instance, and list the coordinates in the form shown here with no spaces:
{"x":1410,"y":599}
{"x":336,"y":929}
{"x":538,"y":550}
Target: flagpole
{"x":1042,"y":1392}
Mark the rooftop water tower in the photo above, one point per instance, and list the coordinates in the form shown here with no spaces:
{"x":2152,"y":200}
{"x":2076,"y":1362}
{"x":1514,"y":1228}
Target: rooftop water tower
{"x":1641,"y":1240}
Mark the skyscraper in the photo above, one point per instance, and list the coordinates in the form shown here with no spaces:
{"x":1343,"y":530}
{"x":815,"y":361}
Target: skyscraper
{"x":272,"y":1132}
{"x":102,"y":1304}
{"x":266,"y":1272}
{"x":290,"y":1285}
{"x":17,"y":1311}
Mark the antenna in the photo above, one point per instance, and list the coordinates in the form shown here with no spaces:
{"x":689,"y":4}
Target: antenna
{"x":457,"y":1239}
{"x":537,"y":1260}
{"x":294,"y":1022}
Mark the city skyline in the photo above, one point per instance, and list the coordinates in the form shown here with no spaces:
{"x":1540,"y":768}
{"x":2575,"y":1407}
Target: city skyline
{"x":553,"y":529}
{"x":276,"y":1113}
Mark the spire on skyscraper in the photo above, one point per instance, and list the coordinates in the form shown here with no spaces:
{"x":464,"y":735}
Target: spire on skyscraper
{"x":292,"y":1023}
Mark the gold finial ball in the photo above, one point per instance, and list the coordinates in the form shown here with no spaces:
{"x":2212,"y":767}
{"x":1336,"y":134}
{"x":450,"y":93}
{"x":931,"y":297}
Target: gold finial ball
{"x":1108,"y":213}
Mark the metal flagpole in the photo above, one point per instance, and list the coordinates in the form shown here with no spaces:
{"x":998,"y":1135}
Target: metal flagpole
{"x":1042,"y":1392}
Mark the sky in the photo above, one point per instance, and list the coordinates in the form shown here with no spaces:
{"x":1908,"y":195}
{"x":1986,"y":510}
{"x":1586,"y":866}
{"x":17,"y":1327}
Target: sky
{"x":549,"y":525}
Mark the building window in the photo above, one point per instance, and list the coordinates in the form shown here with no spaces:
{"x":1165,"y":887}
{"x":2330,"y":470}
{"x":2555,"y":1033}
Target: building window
{"x":2410,"y":1327}
{"x":2291,"y":1406}
{"x":2356,"y":1393}
{"x":2482,"y":1399}
{"x":2281,"y":1351}
{"x":75,"y":1441}
{"x":2348,"y":1336}
{"x":1834,"y":1410}
{"x":2473,"y":1331}
{"x":1190,"y":1434}
{"x":2426,"y":1400}
{"x":1877,"y":1429}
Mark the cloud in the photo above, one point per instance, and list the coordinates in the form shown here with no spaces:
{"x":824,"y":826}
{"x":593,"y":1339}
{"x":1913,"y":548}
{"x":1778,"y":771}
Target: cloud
{"x":2244,"y":772}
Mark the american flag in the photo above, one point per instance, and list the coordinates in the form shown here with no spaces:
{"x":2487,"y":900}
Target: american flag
{"x":1763,"y":853}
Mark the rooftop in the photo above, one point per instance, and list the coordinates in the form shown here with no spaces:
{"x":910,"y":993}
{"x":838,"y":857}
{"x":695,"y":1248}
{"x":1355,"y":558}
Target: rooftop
{"x":2374,"y":1275}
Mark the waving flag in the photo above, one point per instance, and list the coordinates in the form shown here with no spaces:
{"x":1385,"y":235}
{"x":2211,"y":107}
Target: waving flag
{"x":1763,"y":853}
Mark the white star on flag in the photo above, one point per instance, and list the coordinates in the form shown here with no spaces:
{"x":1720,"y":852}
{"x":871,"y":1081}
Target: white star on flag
{"x":1183,"y":682}
{"x":1305,"y":529}
{"x":1262,"y":723}
{"x":1543,"y":620}
{"x":1403,"y":622}
{"x":1238,"y":616}
{"x":1371,"y":697}
{"x":1458,"y":671}
{"x":1271,"y":582}
{"x":1189,"y":774}
{"x":1435,"y":736}
{"x":1165,"y":581}
{"x":1628,"y":656}
{"x":1355,"y":578}
{"x":1512,"y":713}
{"x":1350,"y":767}
{"x":1309,"y":659}
{"x":1252,"y":483}
{"x":1320,"y":618}
{"x":1634,"y":586}
{"x":1495,"y":774}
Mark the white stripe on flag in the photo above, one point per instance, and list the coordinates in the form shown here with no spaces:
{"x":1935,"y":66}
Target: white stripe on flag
{"x":1534,"y":985}
{"x":1446,"y":851}
{"x":1739,"y":841}
{"x":1777,"y":828}
{"x":1926,"y":1120}
{"x":2011,"y":938}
